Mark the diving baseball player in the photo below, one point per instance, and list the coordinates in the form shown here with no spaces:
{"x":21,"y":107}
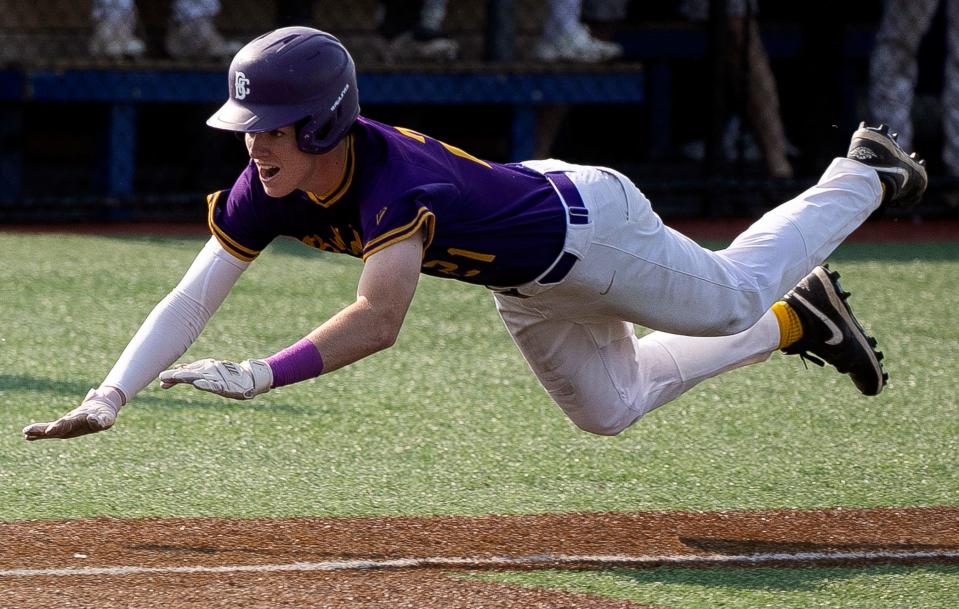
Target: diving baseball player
{"x":573,"y":255}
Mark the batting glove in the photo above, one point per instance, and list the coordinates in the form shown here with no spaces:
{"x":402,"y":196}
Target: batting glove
{"x":97,"y":412}
{"x":241,"y":381}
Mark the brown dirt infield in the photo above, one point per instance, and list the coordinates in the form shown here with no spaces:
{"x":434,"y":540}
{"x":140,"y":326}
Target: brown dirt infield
{"x":267,"y":546}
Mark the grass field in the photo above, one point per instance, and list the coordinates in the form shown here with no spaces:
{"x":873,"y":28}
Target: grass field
{"x":450,"y":421}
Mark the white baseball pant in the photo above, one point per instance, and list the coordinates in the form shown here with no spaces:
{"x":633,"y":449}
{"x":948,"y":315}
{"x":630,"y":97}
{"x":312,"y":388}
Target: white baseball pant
{"x":709,"y":309}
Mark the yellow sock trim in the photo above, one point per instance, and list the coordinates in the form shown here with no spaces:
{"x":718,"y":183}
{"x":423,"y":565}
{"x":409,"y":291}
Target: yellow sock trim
{"x":790,"y":328}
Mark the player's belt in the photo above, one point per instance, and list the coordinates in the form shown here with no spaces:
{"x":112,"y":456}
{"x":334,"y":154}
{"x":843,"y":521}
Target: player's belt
{"x":577,"y":213}
{"x":560,"y":269}
{"x":575,"y":208}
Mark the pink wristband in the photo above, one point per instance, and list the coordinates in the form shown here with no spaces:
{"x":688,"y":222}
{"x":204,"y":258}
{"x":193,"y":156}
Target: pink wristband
{"x":296,"y":363}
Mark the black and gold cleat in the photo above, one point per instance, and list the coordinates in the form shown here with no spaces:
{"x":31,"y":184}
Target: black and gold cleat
{"x":903,"y":176}
{"x":831,"y":333}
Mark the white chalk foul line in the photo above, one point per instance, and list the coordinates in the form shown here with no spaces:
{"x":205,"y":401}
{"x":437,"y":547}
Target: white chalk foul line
{"x":498,"y":561}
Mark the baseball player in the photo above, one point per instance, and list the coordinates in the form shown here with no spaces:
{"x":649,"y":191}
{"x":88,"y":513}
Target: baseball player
{"x":573,"y":255}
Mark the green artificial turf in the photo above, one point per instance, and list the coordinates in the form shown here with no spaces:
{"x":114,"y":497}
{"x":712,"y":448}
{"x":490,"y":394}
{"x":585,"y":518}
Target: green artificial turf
{"x":878,"y":587}
{"x":450,"y":420}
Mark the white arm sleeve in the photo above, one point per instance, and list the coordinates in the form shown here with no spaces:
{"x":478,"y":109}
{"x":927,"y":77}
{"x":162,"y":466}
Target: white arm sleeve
{"x":177,"y":320}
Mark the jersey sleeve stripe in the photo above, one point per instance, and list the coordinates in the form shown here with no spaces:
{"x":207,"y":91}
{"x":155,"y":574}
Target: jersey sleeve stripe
{"x":243,"y":253}
{"x":424,"y":217}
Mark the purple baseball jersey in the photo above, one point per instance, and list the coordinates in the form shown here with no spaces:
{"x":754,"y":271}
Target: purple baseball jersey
{"x":486,"y":223}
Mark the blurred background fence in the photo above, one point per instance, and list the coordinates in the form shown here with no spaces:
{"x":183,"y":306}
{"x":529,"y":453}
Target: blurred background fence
{"x":103,"y":102}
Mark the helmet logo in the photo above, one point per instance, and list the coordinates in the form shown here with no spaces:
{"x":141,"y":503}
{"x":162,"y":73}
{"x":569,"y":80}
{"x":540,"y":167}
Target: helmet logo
{"x":241,"y":86}
{"x":340,"y":97}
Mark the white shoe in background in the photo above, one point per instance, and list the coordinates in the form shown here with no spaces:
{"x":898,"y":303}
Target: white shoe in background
{"x":421,"y":45}
{"x":199,"y":39}
{"x":577,"y":45}
{"x":115,"y":38}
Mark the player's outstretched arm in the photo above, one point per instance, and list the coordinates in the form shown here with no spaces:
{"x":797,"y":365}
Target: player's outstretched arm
{"x":165,"y":335}
{"x":97,"y":412}
{"x":370,"y":324}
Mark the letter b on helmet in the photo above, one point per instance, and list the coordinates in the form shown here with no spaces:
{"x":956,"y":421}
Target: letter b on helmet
{"x":292,"y":76}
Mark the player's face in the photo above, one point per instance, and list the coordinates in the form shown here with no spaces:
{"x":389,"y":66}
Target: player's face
{"x":280,"y":164}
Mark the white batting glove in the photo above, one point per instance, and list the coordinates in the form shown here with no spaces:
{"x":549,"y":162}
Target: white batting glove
{"x":97,"y":412}
{"x":240,"y":381}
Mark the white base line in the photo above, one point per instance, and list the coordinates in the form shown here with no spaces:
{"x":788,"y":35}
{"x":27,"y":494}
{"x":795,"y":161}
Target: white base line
{"x":496,"y":561}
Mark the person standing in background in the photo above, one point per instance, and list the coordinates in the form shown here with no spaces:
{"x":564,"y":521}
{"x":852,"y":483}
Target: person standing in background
{"x":761,"y":95}
{"x":894,"y":71}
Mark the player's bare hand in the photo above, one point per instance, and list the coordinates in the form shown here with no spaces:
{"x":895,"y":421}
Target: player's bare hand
{"x":97,"y":412}
{"x":240,"y":381}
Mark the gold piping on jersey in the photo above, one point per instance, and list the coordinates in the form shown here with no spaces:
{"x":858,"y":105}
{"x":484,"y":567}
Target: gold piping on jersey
{"x":423,"y":216}
{"x":243,"y":253}
{"x":419,"y":137}
{"x":345,"y":181}
{"x":455,"y":251}
{"x":416,"y":135}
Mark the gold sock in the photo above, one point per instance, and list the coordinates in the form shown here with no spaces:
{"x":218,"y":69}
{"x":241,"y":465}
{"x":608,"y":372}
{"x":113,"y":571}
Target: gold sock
{"x":790,"y":328}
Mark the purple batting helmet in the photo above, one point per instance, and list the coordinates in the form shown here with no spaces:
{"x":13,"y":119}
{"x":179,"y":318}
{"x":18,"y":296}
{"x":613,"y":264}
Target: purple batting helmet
{"x":292,"y":76}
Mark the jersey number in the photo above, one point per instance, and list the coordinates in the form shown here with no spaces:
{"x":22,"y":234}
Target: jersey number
{"x":453,"y":269}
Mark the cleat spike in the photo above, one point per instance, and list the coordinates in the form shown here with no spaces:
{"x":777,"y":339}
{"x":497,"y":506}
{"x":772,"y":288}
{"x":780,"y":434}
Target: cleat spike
{"x":862,"y":124}
{"x":879,"y":356}
{"x":894,"y":136}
